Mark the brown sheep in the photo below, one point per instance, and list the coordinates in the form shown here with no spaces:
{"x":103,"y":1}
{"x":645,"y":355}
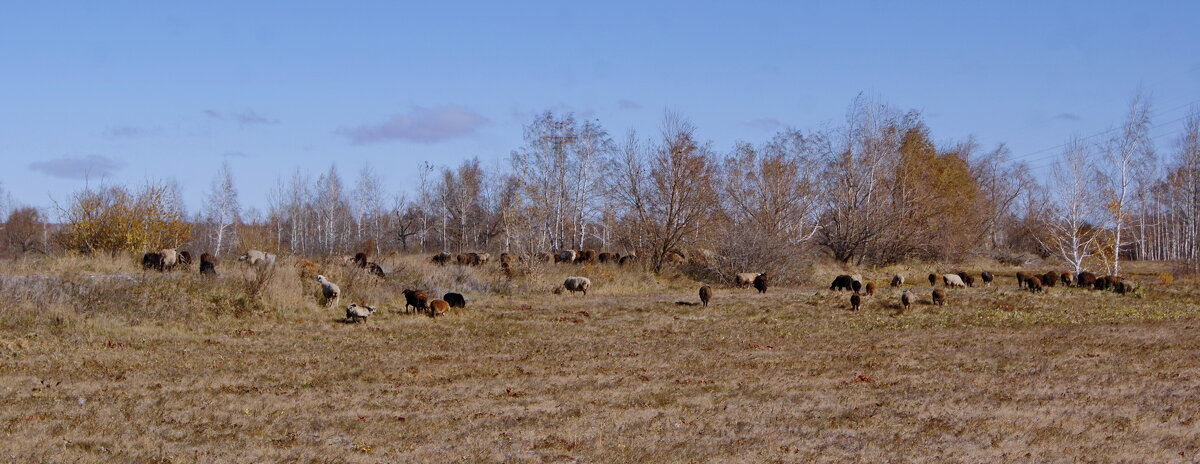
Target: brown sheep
{"x":416,"y":299}
{"x":360,"y":259}
{"x":1021,"y":278}
{"x":856,"y":286}
{"x":967,"y":279}
{"x":870,"y":289}
{"x":1124,"y":287}
{"x":939,"y":297}
{"x":1034,"y":284}
{"x":462,"y":259}
{"x":932,"y":280}
{"x":907,"y":299}
{"x":208,"y":265}
{"x":1049,"y":278}
{"x":705,"y":294}
{"x":152,"y":261}
{"x":760,"y":283}
{"x":1065,"y":279}
{"x":987,"y":278}
{"x":438,"y":308}
{"x":1085,"y":279}
{"x":626,"y":260}
{"x":441,"y":259}
{"x":185,"y":259}
{"x":604,"y":257}
{"x":855,"y":302}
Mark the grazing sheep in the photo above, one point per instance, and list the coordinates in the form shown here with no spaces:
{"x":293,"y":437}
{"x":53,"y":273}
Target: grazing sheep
{"x":855,"y":285}
{"x":375,"y":270}
{"x":842,"y":282}
{"x":329,"y":290}
{"x":760,"y":283}
{"x":907,"y":299}
{"x":1107,"y":283}
{"x":356,"y":313}
{"x":152,"y":261}
{"x":932,"y":280}
{"x":953,"y":280}
{"x":1065,"y":278}
{"x":1034,"y":284}
{"x":208,"y":265}
{"x":462,"y":259}
{"x":416,"y":299}
{"x":855,"y":302}
{"x":482,"y":258}
{"x":185,"y":259}
{"x":438,"y":308}
{"x":565,"y":256}
{"x":966,"y":278}
{"x":170,"y":258}
{"x":586,"y":257}
{"x":456,"y":300}
{"x":360,"y":259}
{"x":625,"y":260}
{"x":939,"y":296}
{"x":745,"y":279}
{"x":870,"y":288}
{"x":441,"y":259}
{"x":258,"y":258}
{"x":1021,"y":278}
{"x":577,"y":284}
{"x":705,"y":294}
{"x":1123,"y":288}
{"x":897,"y":280}
{"x":987,"y":278}
{"x":1085,"y":279}
{"x":1049,"y":278}
{"x":616,"y":257}
{"x":604,"y":257}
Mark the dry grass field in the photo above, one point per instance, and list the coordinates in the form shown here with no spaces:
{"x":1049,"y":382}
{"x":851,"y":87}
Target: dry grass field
{"x":175,"y":368}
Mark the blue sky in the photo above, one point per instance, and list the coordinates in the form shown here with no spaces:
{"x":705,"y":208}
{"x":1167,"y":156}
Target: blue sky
{"x":130,"y":91}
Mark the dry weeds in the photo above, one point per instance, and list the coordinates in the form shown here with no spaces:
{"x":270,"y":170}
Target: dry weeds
{"x":621,"y":375}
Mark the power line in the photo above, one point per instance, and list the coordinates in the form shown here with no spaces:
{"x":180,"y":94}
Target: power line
{"x":1032,"y":161}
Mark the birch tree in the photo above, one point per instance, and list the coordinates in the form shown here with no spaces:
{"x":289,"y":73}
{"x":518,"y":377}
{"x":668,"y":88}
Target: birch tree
{"x":1071,"y":232}
{"x":222,"y":210}
{"x":1129,"y":152}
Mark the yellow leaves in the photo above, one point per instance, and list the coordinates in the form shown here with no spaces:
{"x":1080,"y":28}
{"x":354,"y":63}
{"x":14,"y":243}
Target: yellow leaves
{"x":115,"y":220}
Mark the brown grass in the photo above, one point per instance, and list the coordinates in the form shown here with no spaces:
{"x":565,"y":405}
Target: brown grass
{"x":172,"y":373}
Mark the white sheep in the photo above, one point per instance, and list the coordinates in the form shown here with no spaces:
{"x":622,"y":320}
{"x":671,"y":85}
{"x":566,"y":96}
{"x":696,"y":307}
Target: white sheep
{"x":744,"y":279}
{"x":257,"y":257}
{"x":356,"y":313}
{"x":329,"y":290}
{"x":953,"y":280}
{"x":170,"y":258}
{"x":577,"y":284}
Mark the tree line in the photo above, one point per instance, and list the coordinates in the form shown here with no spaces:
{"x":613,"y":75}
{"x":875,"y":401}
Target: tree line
{"x":873,"y":189}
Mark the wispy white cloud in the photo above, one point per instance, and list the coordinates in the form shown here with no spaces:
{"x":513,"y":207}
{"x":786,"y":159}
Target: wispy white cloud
{"x":766,"y":124}
{"x":245,"y":117}
{"x":131,"y":132}
{"x":78,"y":167}
{"x":420,"y":125}
{"x":627,"y":104}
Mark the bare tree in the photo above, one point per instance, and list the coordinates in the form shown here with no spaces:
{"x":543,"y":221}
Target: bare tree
{"x":222,"y":210}
{"x":1072,"y":235}
{"x":1129,"y":152}
{"x":368,"y":208}
{"x":667,"y":191}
